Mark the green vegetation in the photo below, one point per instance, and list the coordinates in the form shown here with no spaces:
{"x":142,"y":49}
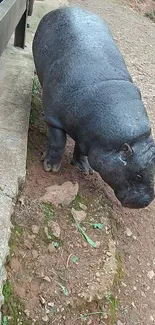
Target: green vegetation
{"x":113,"y":305}
{"x":48,"y":211}
{"x":13,"y":309}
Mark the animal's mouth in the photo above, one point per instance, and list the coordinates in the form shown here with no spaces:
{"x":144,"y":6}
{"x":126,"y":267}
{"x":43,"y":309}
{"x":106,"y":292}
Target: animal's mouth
{"x":132,"y":201}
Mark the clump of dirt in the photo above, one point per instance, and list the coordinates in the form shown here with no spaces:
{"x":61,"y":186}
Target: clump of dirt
{"x":62,"y":263}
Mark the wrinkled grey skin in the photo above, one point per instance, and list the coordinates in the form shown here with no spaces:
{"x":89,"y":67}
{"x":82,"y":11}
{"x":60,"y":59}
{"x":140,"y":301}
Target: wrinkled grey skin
{"x":89,"y":95}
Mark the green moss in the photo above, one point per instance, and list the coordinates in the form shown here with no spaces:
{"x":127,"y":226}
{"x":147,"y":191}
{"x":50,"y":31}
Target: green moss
{"x":113,"y":306}
{"x":78,"y":199}
{"x":49,"y":214}
{"x":48,"y":211}
{"x":36,"y":86}
{"x":13,"y":309}
{"x":32,"y":117}
{"x":16,"y":232}
{"x":120,"y":273}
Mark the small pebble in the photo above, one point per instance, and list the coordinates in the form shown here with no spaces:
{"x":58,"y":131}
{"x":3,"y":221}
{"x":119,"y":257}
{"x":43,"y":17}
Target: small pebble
{"x":98,"y":244}
{"x":54,"y":226}
{"x":46,"y":278}
{"x":133,"y":305}
{"x":124,"y":284}
{"x":34,"y":253}
{"x":89,"y":322}
{"x":42,"y":300}
{"x":119,"y":322}
{"x":51,"y":304}
{"x":109,"y":254}
{"x":35,"y":229}
{"x":128,"y":232}
{"x":83,"y":206}
{"x":78,"y":215}
{"x":97,"y":274}
{"x":51,"y":248}
{"x":28,"y":244}
{"x":45,"y":318}
{"x":150,"y":275}
{"x":27,"y":312}
{"x":152,"y":318}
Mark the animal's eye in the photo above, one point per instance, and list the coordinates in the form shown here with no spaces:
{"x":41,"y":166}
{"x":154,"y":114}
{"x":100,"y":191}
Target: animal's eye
{"x":139,"y":177}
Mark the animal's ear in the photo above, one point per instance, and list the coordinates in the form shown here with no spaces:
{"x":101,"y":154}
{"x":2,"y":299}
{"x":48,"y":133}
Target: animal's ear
{"x":126,"y":150}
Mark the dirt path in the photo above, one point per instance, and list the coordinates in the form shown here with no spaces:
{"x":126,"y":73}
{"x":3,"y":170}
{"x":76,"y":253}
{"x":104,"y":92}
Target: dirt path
{"x":136,"y":38}
{"x":59,"y":278}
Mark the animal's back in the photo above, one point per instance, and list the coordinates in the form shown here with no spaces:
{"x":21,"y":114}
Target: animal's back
{"x":72,"y":38}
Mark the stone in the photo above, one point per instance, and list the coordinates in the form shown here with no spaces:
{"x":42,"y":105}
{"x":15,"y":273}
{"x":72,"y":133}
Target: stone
{"x":97,"y":274}
{"x":50,"y":304}
{"x":79,"y":216}
{"x":47,"y":279}
{"x":128,"y":232}
{"x":42,"y":300}
{"x":54,"y":226}
{"x":46,"y":233}
{"x":34,"y":254}
{"x":83,"y":206}
{"x":35,"y":229}
{"x":119,"y":322}
{"x":45,"y":318}
{"x":51,"y":248}
{"x":98,"y":244}
{"x":27,"y":312}
{"x":61,"y":194}
{"x":151,"y":274}
{"x":28,"y":244}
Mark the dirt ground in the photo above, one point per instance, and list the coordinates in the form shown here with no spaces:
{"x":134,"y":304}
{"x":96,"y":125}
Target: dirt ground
{"x":57,"y":275}
{"x":54,"y":275}
{"x":147,"y":7}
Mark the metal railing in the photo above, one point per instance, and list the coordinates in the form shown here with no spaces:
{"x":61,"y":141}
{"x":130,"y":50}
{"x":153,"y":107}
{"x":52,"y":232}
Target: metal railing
{"x":13,"y":17}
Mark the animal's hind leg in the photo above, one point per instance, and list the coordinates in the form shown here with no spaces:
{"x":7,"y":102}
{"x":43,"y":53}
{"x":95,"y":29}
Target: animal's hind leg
{"x":81,"y":161}
{"x":55,"y":149}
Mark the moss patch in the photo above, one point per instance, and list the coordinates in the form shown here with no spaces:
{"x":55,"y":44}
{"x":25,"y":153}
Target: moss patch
{"x":12,"y":310}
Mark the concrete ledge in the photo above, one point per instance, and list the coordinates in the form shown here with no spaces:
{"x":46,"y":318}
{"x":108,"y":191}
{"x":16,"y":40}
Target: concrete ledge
{"x":16,"y":76}
{"x":16,"y":67}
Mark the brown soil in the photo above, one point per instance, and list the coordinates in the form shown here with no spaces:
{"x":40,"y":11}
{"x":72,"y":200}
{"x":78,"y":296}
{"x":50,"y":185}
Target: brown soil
{"x":42,"y":270}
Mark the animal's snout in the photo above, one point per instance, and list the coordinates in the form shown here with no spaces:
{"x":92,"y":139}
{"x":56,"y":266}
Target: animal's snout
{"x":135,"y":201}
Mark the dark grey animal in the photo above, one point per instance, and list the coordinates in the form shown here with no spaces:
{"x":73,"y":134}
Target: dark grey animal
{"x":89,"y":95}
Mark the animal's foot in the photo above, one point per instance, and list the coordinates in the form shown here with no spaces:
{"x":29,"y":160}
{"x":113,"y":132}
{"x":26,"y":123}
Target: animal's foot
{"x":48,"y":166}
{"x":83,"y":166}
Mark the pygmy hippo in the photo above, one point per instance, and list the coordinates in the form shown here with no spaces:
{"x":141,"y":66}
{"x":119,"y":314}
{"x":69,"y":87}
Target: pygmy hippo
{"x":89,"y":95}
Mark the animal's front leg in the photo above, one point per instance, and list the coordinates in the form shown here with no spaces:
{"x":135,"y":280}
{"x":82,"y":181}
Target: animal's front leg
{"x":55,"y":149}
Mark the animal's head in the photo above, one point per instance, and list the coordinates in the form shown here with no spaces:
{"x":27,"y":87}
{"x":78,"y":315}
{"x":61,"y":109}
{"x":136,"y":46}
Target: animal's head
{"x":129,"y":171}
